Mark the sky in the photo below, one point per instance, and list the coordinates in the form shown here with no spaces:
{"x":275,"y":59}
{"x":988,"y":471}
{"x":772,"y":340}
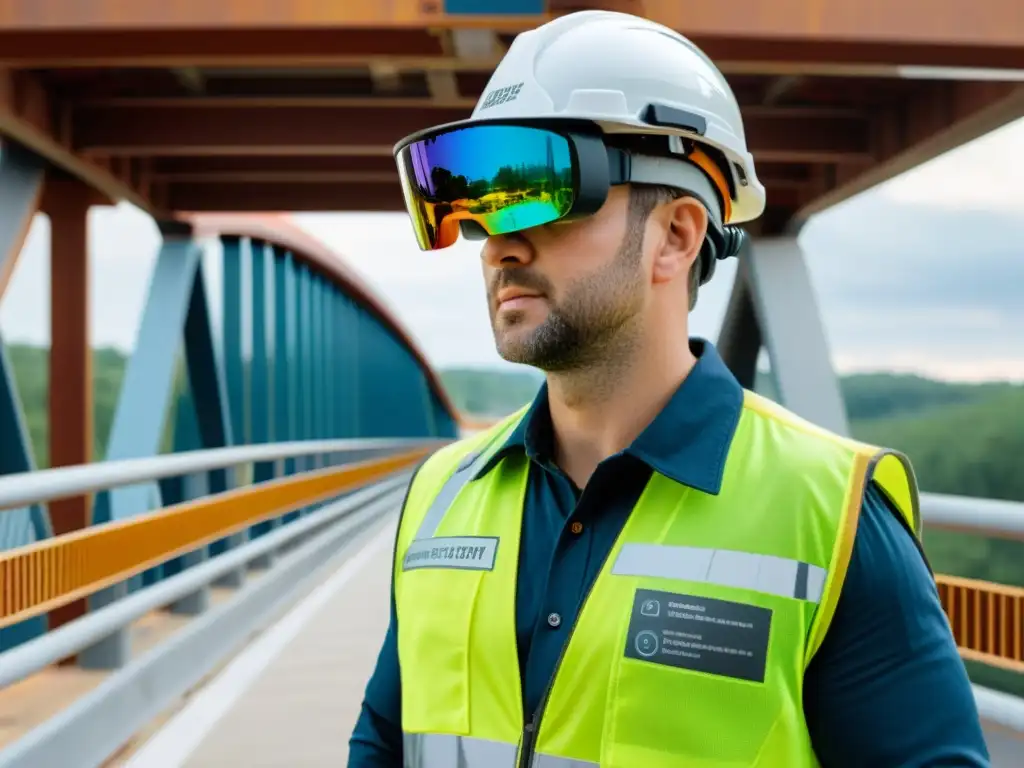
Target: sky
{"x":923,"y":274}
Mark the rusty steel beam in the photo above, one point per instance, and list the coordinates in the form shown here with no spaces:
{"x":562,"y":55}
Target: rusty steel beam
{"x":201,"y":14}
{"x":922,"y":22}
{"x":193,"y":197}
{"x":185,"y":168}
{"x":951,"y":22}
{"x":66,"y":201}
{"x":774,"y":134}
{"x":411,"y":49}
{"x":29,"y":117}
{"x":936,"y":120}
{"x":183,"y":175}
{"x":185,"y":104}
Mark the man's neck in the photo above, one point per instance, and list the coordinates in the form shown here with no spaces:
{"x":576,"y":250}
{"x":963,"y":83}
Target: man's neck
{"x":600,"y":411}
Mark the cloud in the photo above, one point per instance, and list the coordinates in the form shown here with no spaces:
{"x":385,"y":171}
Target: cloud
{"x":921,"y":287}
{"x":123,"y":243}
{"x":981,"y":175}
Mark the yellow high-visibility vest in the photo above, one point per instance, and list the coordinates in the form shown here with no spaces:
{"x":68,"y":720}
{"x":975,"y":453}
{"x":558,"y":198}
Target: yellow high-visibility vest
{"x":691,"y":647}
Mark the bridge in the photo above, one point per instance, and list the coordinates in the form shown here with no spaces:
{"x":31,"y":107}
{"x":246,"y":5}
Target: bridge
{"x":215,"y":588}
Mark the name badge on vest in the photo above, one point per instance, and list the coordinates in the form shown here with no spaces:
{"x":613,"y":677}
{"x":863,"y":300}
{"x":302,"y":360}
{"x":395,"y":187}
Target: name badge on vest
{"x":467,"y":553}
{"x":719,"y":637}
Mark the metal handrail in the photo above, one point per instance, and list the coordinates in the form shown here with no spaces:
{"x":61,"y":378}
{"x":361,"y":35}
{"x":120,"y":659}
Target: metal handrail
{"x":43,"y":485}
{"x":967,"y":514}
{"x":98,"y":724}
{"x":69,"y":639}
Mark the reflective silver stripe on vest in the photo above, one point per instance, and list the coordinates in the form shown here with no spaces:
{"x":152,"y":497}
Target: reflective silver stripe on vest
{"x":436,"y":750}
{"x":465,"y":472}
{"x":550,"y":761}
{"x":744,"y":570}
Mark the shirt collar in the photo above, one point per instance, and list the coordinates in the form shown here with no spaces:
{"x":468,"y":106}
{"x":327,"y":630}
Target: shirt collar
{"x":688,"y":441}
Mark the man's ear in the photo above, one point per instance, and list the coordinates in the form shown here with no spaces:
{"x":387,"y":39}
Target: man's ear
{"x":685,"y":224}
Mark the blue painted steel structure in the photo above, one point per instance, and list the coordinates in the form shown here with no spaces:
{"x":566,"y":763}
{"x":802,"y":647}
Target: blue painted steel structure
{"x":21,"y":182}
{"x":495,"y":7}
{"x":301,"y":351}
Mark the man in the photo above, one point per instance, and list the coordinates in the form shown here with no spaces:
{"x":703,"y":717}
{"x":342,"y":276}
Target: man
{"x":649,"y":566}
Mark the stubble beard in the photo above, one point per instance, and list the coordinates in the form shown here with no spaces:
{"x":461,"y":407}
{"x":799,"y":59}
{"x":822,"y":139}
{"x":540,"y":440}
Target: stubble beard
{"x":594,"y":325}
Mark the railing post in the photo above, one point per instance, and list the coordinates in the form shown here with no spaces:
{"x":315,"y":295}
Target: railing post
{"x":194,"y":487}
{"x":178,"y":489}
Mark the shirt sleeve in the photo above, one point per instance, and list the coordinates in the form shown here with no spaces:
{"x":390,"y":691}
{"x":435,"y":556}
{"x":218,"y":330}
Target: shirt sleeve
{"x":887,"y":687}
{"x":376,"y":741}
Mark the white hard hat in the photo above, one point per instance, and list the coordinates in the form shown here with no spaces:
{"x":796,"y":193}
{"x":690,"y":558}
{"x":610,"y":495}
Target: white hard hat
{"x":628,"y":75}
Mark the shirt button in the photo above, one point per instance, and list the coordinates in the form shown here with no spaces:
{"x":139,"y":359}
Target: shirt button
{"x":576,"y":527}
{"x":554,"y":620}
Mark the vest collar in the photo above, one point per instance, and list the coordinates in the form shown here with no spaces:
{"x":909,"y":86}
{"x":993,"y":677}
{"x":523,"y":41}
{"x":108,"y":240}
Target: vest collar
{"x":688,"y":441}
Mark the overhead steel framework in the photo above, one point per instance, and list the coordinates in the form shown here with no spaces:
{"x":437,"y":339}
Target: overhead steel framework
{"x":187,"y":105}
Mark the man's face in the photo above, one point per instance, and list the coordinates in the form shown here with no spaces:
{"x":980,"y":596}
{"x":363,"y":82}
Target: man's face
{"x":562,"y":296}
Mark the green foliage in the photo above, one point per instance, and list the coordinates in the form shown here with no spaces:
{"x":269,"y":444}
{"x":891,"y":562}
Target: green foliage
{"x":490,"y":393}
{"x":973,"y":448}
{"x":885,"y":395}
{"x":32,"y":377}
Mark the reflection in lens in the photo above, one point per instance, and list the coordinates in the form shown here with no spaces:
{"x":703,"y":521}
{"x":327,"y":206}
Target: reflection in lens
{"x":504,"y":177}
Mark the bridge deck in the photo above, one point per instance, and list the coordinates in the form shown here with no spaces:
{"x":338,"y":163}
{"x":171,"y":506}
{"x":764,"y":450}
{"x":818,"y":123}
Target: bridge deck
{"x":293,"y":695}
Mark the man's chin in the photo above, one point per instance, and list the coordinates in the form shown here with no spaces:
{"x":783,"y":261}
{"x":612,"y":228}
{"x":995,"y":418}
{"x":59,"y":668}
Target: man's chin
{"x":514,"y":345}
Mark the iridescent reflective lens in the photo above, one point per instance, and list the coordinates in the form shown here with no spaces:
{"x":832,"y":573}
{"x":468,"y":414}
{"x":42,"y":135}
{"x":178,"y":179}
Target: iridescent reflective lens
{"x":503,"y":177}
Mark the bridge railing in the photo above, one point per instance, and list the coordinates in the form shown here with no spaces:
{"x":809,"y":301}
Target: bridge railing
{"x":313,"y":515}
{"x":40,"y":578}
{"x":987,"y":619}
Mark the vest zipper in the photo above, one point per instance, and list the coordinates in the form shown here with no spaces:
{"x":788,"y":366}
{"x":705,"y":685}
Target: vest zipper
{"x":531,"y":729}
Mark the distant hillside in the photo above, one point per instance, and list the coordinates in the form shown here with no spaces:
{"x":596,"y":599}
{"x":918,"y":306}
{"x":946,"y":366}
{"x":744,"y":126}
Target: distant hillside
{"x":494,"y":392}
{"x":31,"y":372}
{"x":889,"y":395}
{"x":487,"y":392}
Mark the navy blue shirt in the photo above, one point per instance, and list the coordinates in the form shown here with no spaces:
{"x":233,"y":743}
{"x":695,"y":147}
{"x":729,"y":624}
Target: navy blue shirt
{"x":887,"y":687}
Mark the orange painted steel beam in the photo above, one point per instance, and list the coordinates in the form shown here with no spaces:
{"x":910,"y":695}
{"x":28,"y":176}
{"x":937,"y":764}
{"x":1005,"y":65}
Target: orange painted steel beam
{"x":281,"y":231}
{"x":46,"y":575}
{"x":987,"y":620}
{"x":922,"y":22}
